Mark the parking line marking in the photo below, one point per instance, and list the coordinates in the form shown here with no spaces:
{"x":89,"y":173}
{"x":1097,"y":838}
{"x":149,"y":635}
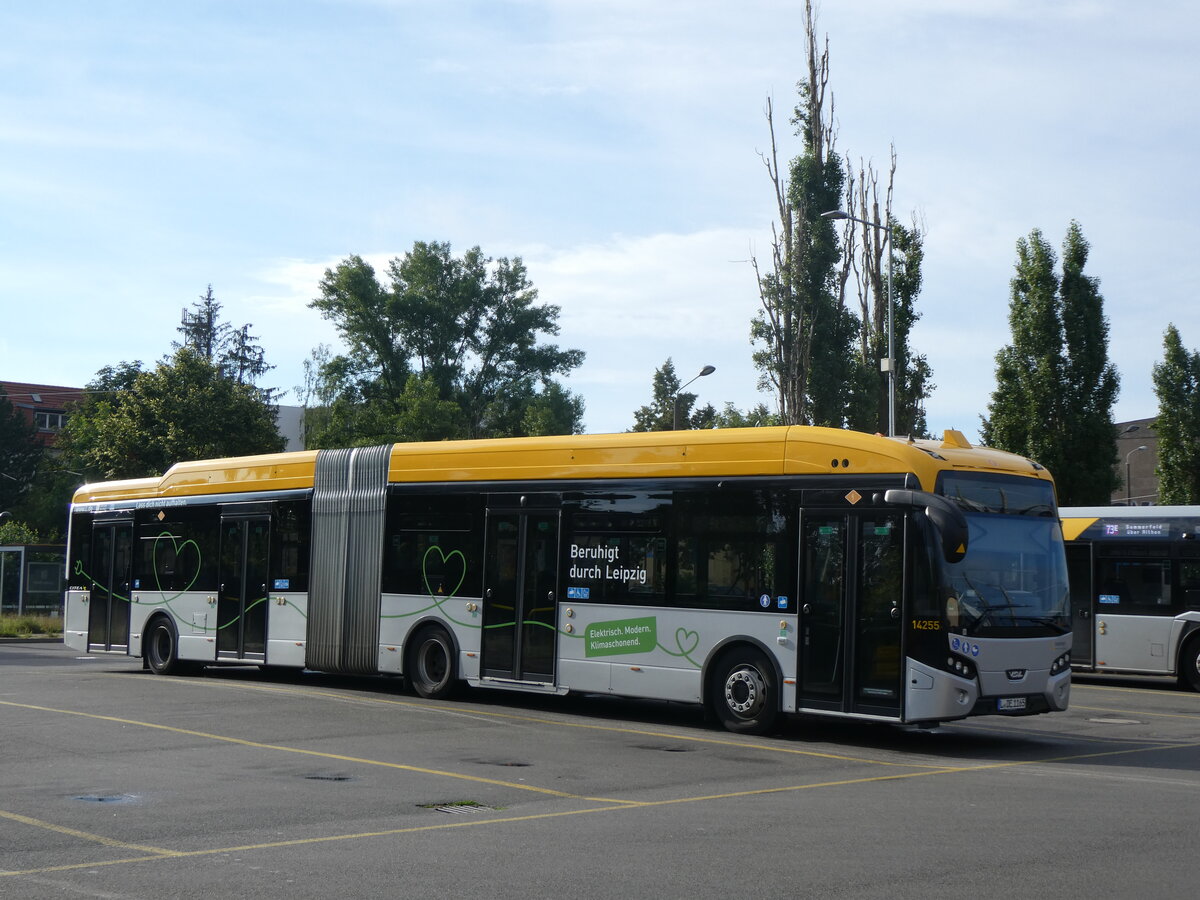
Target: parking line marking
{"x":158,"y":853}
{"x":85,"y":835}
{"x":259,"y":745}
{"x":455,"y":709}
{"x":1138,"y":712}
{"x":474,"y":823}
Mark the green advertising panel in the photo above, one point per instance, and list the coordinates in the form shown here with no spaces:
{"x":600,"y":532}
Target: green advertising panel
{"x":622,"y":636}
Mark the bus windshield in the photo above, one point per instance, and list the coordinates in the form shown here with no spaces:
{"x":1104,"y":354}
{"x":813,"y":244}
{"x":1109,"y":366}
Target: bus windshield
{"x":1013,"y":580}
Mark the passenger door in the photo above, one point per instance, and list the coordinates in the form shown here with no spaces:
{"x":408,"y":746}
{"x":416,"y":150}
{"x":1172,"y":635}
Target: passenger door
{"x":851,"y":612}
{"x":520,"y":595}
{"x":243,"y":597}
{"x":1083,"y":602}
{"x":111,"y":570}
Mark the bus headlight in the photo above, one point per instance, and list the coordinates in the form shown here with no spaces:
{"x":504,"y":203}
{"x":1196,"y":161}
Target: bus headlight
{"x":1061,"y":664}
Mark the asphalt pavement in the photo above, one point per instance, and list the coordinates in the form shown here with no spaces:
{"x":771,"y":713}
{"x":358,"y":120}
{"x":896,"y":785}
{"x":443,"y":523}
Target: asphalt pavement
{"x":241,"y":783}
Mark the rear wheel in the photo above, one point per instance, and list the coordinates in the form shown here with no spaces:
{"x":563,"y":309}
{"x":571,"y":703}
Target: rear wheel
{"x":162,"y":647}
{"x":431,"y":669}
{"x":743,"y":694}
{"x":1189,"y":663}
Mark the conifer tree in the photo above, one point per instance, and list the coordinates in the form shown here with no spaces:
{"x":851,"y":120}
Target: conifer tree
{"x":1177,"y":386}
{"x":1055,"y":386}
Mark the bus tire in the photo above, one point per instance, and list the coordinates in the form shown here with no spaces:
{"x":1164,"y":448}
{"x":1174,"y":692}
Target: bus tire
{"x":431,"y":668}
{"x":743,"y":693}
{"x":1189,"y":663}
{"x":161,"y":644}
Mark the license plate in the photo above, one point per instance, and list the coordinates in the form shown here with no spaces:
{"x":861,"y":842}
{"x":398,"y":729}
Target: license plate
{"x":1010,"y":703}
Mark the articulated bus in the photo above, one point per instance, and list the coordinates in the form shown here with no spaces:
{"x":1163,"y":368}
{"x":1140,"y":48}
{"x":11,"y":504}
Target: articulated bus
{"x":757,"y":571}
{"x":1135,"y":589}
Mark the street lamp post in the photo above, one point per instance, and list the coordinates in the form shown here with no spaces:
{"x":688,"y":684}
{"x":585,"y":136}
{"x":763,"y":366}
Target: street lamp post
{"x":890,"y":362}
{"x":1128,"y":486}
{"x":707,"y":370}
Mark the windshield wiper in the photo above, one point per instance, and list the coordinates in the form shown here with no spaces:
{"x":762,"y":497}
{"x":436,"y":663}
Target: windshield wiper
{"x":1038,"y":509}
{"x":984,"y":608}
{"x":1055,"y":622}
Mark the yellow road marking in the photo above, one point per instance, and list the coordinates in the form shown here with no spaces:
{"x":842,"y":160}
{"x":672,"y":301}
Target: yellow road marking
{"x":413,"y":829}
{"x":157,"y":853}
{"x":259,"y":745}
{"x":298,"y":842}
{"x":1147,"y":688}
{"x":589,"y":726}
{"x":1138,"y":712}
{"x":85,"y":835}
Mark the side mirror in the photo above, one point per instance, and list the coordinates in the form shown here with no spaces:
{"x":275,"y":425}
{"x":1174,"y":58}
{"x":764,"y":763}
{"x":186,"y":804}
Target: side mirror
{"x":947,"y":517}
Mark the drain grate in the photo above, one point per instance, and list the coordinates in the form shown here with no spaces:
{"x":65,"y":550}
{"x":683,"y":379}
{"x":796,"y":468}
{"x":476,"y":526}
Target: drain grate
{"x":106,"y":798}
{"x":665,"y":748}
{"x":328,"y":778}
{"x":458,"y":809}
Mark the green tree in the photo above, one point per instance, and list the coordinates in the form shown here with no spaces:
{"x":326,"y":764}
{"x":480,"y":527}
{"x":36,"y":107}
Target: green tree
{"x":21,"y":456}
{"x":234,"y":350}
{"x":452,"y":348}
{"x":1055,"y":386}
{"x":138,"y":423}
{"x":755,"y":417}
{"x":671,"y":408}
{"x":44,"y":506}
{"x":15,"y":532}
{"x":1177,"y":386}
{"x":803,"y":330}
{"x":202,"y":328}
{"x":869,"y":260}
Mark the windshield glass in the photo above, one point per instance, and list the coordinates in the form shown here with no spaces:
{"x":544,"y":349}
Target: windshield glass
{"x":1005,"y":494}
{"x":1013,"y":577}
{"x":1013,"y":580}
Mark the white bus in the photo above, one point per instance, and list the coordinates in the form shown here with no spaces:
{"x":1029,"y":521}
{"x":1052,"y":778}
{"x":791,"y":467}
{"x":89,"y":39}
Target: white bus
{"x":759,"y":571}
{"x":1135,"y":589}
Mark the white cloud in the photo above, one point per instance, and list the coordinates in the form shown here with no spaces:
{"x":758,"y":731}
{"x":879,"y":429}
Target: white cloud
{"x":611,"y":143}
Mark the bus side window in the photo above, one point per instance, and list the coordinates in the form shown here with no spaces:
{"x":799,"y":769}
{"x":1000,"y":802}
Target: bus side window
{"x":1135,"y":586}
{"x":433,"y":546}
{"x":1189,"y":584}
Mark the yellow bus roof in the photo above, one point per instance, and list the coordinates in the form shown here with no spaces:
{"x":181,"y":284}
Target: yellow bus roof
{"x":783,"y":450}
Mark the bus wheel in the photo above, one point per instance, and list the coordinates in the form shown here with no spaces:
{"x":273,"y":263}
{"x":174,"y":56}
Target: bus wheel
{"x":162,"y":647}
{"x":742,"y":693}
{"x":431,"y":669}
{"x":1189,"y":664}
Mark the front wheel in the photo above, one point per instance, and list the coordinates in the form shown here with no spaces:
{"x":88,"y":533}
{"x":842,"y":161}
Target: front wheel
{"x":431,"y":669}
{"x":743,"y":694}
{"x":162,"y":648}
{"x":1189,"y":664}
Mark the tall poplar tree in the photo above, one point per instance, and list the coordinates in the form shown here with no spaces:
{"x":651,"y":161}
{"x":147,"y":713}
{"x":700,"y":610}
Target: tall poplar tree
{"x":803,"y":331}
{"x":1055,"y":386}
{"x":1177,"y":386}
{"x":868,"y":260}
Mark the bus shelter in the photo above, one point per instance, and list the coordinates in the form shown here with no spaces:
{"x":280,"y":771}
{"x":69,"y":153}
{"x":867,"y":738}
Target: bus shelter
{"x":32,"y":579}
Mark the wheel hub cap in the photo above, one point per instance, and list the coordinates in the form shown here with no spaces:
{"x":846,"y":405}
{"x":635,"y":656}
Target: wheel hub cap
{"x":743,"y":691}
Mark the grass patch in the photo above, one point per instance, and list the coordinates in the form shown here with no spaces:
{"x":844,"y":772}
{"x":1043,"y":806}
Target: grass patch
{"x":30,"y":626}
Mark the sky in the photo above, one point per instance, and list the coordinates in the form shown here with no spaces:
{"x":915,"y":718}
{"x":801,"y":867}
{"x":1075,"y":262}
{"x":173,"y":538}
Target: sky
{"x":149,"y":150}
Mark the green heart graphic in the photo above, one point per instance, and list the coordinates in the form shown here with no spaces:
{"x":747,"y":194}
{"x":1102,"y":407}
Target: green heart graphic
{"x":691,"y":638}
{"x":446,"y":557}
{"x":177,"y":546}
